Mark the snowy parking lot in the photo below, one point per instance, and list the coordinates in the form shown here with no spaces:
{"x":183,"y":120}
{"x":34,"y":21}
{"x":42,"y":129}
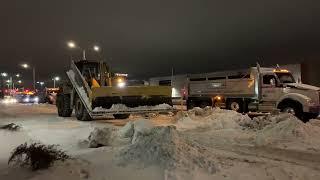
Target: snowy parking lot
{"x":195,"y":144}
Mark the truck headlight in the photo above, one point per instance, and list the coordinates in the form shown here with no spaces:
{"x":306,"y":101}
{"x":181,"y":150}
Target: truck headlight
{"x":121,"y":84}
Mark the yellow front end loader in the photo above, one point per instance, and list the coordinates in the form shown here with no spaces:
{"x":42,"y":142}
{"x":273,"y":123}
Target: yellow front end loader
{"x":94,"y":92}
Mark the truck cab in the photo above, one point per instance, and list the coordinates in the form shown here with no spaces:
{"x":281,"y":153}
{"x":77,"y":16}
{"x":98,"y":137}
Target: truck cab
{"x":278,"y":87}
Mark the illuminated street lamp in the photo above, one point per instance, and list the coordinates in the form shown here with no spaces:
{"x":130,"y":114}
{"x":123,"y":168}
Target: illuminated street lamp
{"x":72,"y":45}
{"x":96,"y":48}
{"x":17,"y":75}
{"x":4,"y":74}
{"x":54,"y":81}
{"x":27,"y":66}
{"x":19,"y":81}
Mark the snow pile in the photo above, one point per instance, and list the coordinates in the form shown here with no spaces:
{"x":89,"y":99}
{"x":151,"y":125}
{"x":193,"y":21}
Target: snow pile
{"x":100,"y":137}
{"x":208,"y":118}
{"x":288,"y":128}
{"x":163,"y":146}
{"x":126,"y":131}
{"x":258,"y":123}
{"x":122,"y":107}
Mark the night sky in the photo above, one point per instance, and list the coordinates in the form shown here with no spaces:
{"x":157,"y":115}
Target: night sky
{"x":147,"y":37}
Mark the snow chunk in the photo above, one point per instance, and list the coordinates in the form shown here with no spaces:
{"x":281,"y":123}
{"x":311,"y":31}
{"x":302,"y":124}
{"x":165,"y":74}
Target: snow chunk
{"x":126,"y":131}
{"x":100,"y":137}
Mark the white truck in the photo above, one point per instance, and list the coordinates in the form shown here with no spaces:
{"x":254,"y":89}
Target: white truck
{"x":255,"y":89}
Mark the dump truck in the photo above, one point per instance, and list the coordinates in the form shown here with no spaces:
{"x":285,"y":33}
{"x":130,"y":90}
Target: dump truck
{"x":255,"y":89}
{"x":94,"y":92}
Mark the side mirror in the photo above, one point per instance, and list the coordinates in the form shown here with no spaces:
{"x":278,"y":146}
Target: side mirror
{"x":272,"y":82}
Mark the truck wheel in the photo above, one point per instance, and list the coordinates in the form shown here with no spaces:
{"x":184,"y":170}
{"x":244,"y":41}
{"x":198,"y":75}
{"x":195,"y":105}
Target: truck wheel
{"x":80,"y":111}
{"x":292,"y":108}
{"x":308,"y":116}
{"x":190,"y":105}
{"x":205,"y":104}
{"x":235,"y":105}
{"x":63,"y":105}
{"x":121,"y":116}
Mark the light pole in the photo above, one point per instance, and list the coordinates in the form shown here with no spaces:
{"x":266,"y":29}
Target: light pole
{"x":54,"y":81}
{"x":10,"y":81}
{"x":72,"y":45}
{"x":27,"y":66}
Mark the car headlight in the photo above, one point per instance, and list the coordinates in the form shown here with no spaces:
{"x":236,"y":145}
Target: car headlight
{"x":36,"y":99}
{"x":26,"y":100}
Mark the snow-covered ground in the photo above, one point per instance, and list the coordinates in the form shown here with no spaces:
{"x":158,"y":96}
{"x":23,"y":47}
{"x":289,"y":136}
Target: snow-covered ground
{"x":199,"y":144}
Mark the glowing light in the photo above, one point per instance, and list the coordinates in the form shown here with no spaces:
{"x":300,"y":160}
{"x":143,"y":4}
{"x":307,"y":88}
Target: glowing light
{"x":4,"y":74}
{"x":96,"y":48}
{"x":71,"y":44}
{"x":121,"y":84}
{"x":25,"y":66}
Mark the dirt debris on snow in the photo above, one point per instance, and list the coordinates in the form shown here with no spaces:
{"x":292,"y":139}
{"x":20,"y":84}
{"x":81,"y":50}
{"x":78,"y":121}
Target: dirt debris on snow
{"x":11,"y":127}
{"x":36,"y":155}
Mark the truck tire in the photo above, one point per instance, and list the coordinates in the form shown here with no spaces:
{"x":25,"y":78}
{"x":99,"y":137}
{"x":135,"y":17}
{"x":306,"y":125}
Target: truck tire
{"x":204,"y":104}
{"x":121,"y":116}
{"x":308,"y":116}
{"x":190,"y":105}
{"x":80,"y":111}
{"x":235,"y":105}
{"x":292,"y":107}
{"x":63,"y":105}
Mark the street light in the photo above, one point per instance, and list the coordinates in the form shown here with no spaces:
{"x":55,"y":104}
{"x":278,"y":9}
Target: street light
{"x":54,"y":81}
{"x":17,"y":75}
{"x":96,"y":48}
{"x":19,"y":81}
{"x":72,"y":45}
{"x":4,"y":74}
{"x":26,"y":66}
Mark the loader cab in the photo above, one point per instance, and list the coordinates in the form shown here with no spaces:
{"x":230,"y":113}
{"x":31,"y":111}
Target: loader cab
{"x":87,"y":68}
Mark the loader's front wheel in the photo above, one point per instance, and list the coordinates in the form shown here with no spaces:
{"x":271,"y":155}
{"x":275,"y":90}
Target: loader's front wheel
{"x":121,"y":116}
{"x":81,"y":111}
{"x":63,"y":105}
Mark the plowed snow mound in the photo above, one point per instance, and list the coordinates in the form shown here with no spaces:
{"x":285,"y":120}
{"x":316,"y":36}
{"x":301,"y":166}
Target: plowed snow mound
{"x":163,"y":146}
{"x":289,"y":129}
{"x":208,"y":118}
{"x":258,"y":123}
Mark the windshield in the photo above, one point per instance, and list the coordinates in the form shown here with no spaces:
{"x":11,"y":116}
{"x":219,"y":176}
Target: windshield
{"x":285,"y":78}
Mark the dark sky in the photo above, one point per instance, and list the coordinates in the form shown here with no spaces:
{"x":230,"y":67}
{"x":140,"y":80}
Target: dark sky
{"x":148,"y":37}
